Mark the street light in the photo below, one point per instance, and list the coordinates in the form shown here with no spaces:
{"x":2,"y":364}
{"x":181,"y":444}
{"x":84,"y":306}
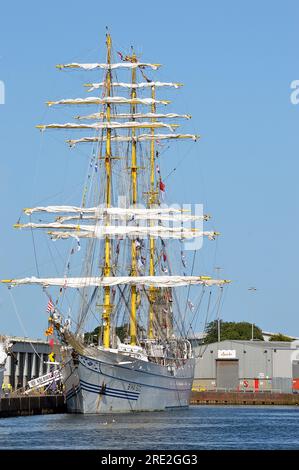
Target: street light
{"x":252,"y":289}
{"x":217,"y":269}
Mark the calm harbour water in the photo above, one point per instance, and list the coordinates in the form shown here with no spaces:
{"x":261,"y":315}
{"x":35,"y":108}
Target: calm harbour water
{"x":199,"y":427}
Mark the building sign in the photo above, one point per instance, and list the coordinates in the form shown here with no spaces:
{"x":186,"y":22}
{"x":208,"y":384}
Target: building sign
{"x":226,"y":354}
{"x":45,"y":379}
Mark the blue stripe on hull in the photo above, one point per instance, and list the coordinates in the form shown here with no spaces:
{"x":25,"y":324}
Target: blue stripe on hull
{"x":112,"y":392}
{"x":71,"y":393}
{"x":99,"y":390}
{"x":86,"y":389}
{"x":176,"y":379}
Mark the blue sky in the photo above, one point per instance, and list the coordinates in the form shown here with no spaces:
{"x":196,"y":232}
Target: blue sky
{"x":237,"y":61}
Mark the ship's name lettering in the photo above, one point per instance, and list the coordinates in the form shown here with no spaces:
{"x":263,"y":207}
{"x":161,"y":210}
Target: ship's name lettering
{"x":135,"y":387}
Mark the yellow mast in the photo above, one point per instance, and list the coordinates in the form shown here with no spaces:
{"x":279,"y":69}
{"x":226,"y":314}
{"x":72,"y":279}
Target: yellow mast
{"x":152,"y":201}
{"x":107,"y":266}
{"x":133,"y":322}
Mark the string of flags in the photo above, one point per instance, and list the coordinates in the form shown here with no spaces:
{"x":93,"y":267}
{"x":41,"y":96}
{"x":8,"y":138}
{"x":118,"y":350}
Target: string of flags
{"x":50,"y":330}
{"x":141,"y":262}
{"x":78,"y":243}
{"x":168,"y":296}
{"x":51,"y":356}
{"x":163,"y":258}
{"x":124,"y":58}
{"x":93,"y":165}
{"x":121,"y":56}
{"x":113,"y":292}
{"x":148,"y":80}
{"x":162,"y":185}
{"x":141,"y":259}
{"x":183,"y":259}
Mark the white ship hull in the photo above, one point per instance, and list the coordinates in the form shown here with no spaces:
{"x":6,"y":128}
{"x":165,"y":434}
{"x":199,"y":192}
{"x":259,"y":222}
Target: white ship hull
{"x":115,"y":383}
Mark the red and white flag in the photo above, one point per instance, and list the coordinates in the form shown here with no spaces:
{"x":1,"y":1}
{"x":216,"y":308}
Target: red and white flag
{"x":50,"y":306}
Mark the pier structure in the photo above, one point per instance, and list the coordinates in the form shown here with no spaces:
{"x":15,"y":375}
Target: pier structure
{"x":27,"y":360}
{"x":32,"y":405}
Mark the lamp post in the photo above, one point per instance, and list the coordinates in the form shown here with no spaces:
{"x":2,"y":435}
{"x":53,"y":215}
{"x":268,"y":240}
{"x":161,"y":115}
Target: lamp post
{"x":217,"y":269}
{"x":252,"y":289}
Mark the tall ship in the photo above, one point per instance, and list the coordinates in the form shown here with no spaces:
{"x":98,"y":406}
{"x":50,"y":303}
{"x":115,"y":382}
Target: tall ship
{"x":119,"y":240}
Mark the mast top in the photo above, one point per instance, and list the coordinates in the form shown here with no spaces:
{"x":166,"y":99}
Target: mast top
{"x":108,"y":40}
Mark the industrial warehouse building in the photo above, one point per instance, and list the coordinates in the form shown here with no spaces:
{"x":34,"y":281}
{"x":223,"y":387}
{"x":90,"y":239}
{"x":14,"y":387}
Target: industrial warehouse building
{"x":247,"y":366}
{"x":225,"y":365}
{"x":27,"y":359}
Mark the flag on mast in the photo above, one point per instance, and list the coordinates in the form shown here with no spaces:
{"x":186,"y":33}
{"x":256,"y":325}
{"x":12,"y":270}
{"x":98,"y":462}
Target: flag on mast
{"x":50,"y":306}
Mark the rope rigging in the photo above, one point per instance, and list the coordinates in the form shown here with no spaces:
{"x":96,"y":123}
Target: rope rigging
{"x":138,"y":177}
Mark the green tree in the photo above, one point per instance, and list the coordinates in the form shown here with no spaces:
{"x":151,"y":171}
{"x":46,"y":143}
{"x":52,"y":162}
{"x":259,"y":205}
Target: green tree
{"x":280,"y":337}
{"x":93,"y":336}
{"x":232,"y":330}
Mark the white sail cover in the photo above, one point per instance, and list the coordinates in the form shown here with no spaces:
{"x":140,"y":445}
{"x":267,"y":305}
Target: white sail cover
{"x":171,"y":218}
{"x":134,"y":232}
{"x":102,"y":115}
{"x":121,"y":65}
{"x":138,"y":138}
{"x":107,"y":125}
{"x":102,"y":211}
{"x":96,"y":86}
{"x":108,"y":100}
{"x":100,"y":231}
{"x":148,"y":281}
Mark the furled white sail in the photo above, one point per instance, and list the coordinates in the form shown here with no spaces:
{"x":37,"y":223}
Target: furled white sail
{"x":93,"y":66}
{"x":138,"y":138}
{"x":148,"y":281}
{"x":135,"y":232}
{"x":102,"y":115}
{"x":96,"y":86}
{"x":107,"y":125}
{"x":99,"y":210}
{"x":116,"y":212}
{"x":100,"y":231}
{"x":108,"y":100}
{"x":171,"y":218}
